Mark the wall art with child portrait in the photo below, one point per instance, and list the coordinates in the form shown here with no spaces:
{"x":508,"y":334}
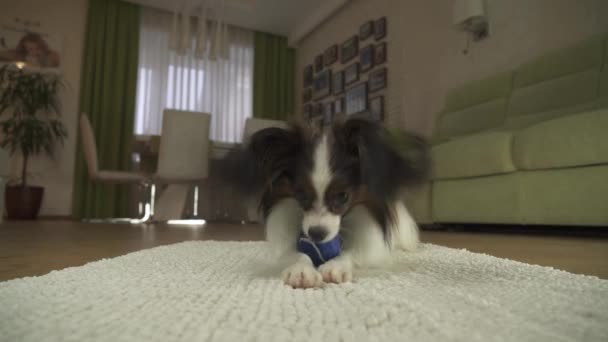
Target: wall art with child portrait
{"x":31,"y":50}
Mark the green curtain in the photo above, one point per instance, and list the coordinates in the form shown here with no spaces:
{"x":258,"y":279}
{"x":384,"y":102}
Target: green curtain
{"x":107,"y":96}
{"x":273,"y":77}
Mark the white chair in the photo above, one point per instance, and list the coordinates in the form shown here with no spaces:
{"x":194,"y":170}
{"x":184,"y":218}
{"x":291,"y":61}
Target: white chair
{"x":253,"y":125}
{"x":89,"y":148}
{"x":183,"y":161}
{"x":3,"y":175}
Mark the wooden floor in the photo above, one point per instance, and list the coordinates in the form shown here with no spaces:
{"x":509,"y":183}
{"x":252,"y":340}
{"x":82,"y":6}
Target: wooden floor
{"x":36,"y":248}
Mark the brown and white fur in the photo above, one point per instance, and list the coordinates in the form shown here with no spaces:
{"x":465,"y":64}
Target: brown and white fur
{"x":343,"y":180}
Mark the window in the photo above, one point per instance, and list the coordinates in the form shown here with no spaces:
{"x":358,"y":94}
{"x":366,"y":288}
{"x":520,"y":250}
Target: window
{"x":166,"y":79}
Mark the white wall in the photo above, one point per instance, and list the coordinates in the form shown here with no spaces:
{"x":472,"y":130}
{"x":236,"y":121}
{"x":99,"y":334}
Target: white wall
{"x":65,"y":19}
{"x":424,"y":56}
{"x":425,"y":52}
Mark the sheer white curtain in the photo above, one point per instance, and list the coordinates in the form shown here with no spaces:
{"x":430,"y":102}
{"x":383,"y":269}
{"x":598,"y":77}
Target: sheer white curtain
{"x":221,"y":87}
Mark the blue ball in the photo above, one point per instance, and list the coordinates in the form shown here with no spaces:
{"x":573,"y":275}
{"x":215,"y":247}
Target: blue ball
{"x":320,"y":253}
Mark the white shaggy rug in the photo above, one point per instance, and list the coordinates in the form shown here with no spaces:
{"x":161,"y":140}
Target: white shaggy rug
{"x":223,"y":291}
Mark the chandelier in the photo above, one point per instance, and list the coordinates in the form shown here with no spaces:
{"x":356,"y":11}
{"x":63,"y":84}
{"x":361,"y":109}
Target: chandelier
{"x":200,"y":26}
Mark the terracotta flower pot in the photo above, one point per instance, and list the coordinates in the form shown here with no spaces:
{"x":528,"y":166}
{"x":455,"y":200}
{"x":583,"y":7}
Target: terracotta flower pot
{"x":23,"y":202}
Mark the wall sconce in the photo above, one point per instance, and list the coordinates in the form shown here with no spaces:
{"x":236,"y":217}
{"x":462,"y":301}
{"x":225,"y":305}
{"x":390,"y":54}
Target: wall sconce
{"x":470,"y":16}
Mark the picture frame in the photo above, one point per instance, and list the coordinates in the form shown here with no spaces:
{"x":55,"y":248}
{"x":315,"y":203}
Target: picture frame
{"x":322,"y":85}
{"x":380,"y":53}
{"x":366,"y":30}
{"x":338,"y":83}
{"x":351,"y":73}
{"x":331,"y":55}
{"x":339,"y":106}
{"x":35,"y":51}
{"x":319,"y":63}
{"x":316,"y":122}
{"x":356,"y":99}
{"x":377,"y":80}
{"x":317,"y":110}
{"x":307,"y":75}
{"x":307,"y":95}
{"x":376,"y":108}
{"x":307,"y":111}
{"x":349,"y":49}
{"x":366,"y":58}
{"x":380,"y":28}
{"x":328,"y":113}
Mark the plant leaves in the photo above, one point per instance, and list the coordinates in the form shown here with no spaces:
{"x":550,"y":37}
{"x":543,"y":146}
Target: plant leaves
{"x":29,"y":111}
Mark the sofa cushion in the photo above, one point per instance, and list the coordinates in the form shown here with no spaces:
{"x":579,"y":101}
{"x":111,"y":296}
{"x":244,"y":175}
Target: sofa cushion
{"x":476,"y":155}
{"x":518,"y":122}
{"x":561,"y":92}
{"x":471,"y":120}
{"x":580,"y":57}
{"x":479,"y":91}
{"x":574,"y":140}
{"x":604,"y":81}
{"x":492,"y":199}
{"x":573,"y":196}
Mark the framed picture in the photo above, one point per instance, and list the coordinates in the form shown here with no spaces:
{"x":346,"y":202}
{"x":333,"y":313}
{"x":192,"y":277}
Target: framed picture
{"x":366,"y":30}
{"x":319,"y":63}
{"x":349,"y":49}
{"x":356,"y":99}
{"x":316,"y":122}
{"x":339,"y":106}
{"x":331,"y":55}
{"x":338,"y":83}
{"x":377,"y":80}
{"x":376,"y":108}
{"x":379,"y":53}
{"x":351,"y":73}
{"x":322,"y":85}
{"x":33,"y":50}
{"x":328,"y":113}
{"x":317,"y":110}
{"x":307,"y":76}
{"x":307,"y":111}
{"x":307,"y":95}
{"x":380,"y":28}
{"x":366,"y":58}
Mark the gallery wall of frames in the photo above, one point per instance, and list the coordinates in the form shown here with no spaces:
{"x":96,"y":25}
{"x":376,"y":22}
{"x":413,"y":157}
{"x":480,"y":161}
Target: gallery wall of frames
{"x":348,"y":78}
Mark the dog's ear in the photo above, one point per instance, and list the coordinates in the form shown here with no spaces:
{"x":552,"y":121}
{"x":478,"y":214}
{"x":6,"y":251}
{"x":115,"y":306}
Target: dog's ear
{"x":263,"y":158}
{"x":389,"y":160}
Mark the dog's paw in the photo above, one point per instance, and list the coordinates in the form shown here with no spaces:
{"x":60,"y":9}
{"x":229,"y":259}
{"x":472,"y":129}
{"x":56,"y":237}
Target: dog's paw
{"x":301,"y":275}
{"x":336,"y":271}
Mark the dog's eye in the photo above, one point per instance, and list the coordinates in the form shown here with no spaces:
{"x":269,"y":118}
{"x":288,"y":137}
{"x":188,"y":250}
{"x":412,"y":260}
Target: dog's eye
{"x":303,"y":198}
{"x":340,"y":198}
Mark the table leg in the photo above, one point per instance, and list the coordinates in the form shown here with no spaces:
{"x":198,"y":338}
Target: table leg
{"x":171,"y":202}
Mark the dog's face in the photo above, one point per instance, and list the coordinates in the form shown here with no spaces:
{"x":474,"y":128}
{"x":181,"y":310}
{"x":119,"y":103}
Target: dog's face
{"x":328,"y":172}
{"x":326,"y":184}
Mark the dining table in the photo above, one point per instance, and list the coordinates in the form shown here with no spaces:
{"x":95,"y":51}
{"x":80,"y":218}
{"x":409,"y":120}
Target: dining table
{"x":216,"y":201}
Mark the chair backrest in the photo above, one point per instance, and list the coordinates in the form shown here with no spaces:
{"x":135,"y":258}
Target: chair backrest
{"x":184,"y":145}
{"x":253,"y":125}
{"x":89,"y":147}
{"x":3,"y":162}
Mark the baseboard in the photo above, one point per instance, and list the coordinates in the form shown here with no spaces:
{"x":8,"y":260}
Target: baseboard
{"x":571,"y":231}
{"x":56,"y":218}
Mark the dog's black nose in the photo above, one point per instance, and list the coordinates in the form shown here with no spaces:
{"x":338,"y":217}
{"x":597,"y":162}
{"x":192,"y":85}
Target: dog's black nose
{"x":317,"y":233}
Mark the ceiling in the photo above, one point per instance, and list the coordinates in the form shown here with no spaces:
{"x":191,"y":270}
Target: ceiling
{"x":291,"y":18}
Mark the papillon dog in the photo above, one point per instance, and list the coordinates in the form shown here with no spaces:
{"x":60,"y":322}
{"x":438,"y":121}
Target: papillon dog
{"x":344,"y":180}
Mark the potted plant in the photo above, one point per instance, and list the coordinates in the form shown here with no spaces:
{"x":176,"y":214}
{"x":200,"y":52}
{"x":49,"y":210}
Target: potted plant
{"x":29,"y":124}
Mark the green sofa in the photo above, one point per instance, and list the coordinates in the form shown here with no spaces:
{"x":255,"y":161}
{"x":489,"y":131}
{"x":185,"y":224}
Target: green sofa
{"x":527,"y":146}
